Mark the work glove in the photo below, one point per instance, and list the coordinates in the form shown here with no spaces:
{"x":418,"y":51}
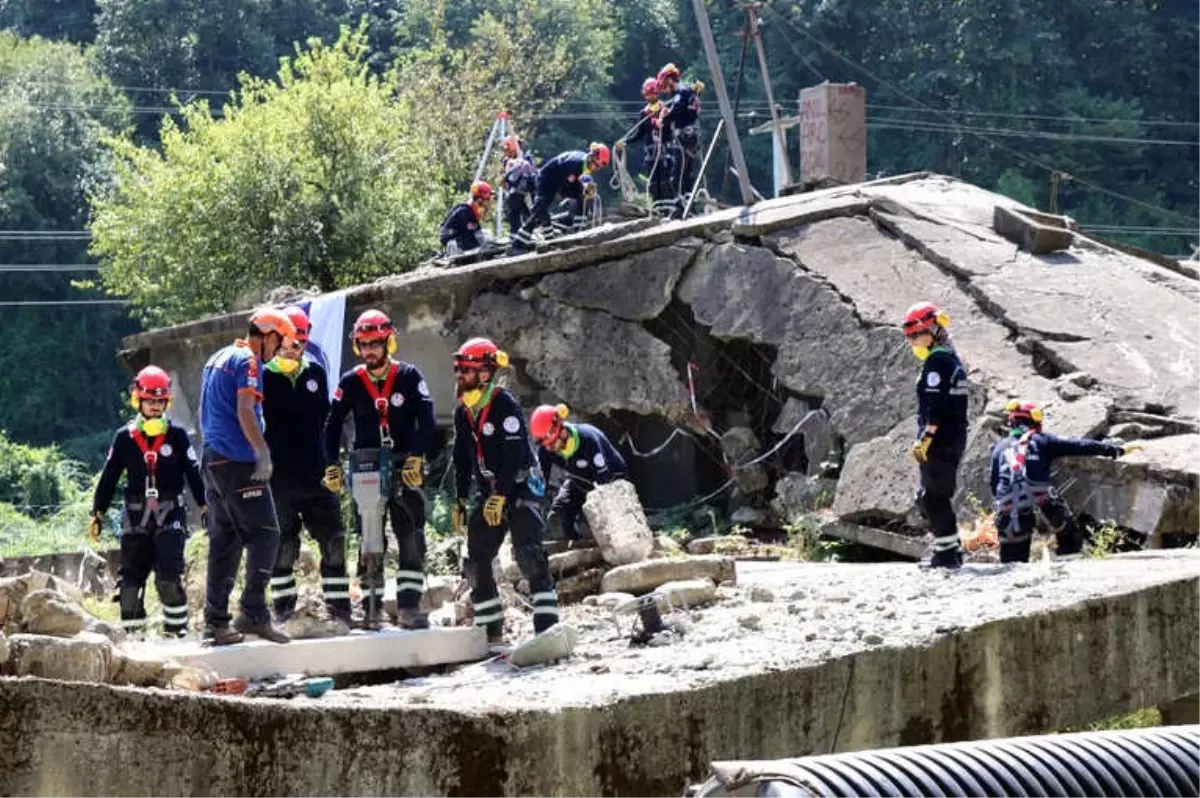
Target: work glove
{"x":413,"y":472}
{"x":458,"y":518}
{"x":619,"y":145}
{"x":94,"y":527}
{"x":1129,"y":447}
{"x":920,"y":448}
{"x":263,"y":467}
{"x":493,"y":510}
{"x":333,"y":479}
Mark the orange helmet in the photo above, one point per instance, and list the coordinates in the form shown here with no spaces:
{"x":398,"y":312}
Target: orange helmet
{"x":669,"y":72}
{"x":924,"y":317}
{"x":272,"y":320}
{"x":546,"y":422}
{"x":1027,"y":415}
{"x":481,"y":191}
{"x":650,"y":89}
{"x":300,"y":321}
{"x":152,"y":383}
{"x":510,"y":145}
{"x":599,"y":154}
{"x":480,"y":353}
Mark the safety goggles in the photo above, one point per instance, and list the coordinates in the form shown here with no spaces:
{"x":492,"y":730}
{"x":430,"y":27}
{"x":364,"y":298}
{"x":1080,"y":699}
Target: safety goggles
{"x":466,"y":368}
{"x":367,"y":329}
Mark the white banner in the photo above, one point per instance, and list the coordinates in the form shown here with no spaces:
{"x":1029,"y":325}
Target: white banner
{"x":327,"y":313}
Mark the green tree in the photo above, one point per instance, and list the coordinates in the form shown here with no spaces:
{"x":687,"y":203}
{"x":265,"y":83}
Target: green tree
{"x":63,"y":381}
{"x":316,"y":179}
{"x":67,"y":20}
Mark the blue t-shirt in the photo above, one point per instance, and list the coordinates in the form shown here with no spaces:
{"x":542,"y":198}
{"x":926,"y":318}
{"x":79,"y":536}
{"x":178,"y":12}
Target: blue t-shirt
{"x":228,"y":373}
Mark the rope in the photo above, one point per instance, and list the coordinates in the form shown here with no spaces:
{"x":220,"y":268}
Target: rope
{"x":628,"y":441}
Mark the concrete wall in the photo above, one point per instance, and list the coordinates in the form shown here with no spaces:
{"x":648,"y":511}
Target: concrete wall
{"x":1020,"y":675}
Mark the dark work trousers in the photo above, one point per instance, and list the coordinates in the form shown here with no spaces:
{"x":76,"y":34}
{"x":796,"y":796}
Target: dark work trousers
{"x":155,"y":546}
{"x":516,"y":210}
{"x":406,"y":509}
{"x":686,"y":154}
{"x":305,"y":501}
{"x":660,"y":177}
{"x":567,"y":506}
{"x":939,"y":479}
{"x":241,"y":515}
{"x":1016,"y":543}
{"x":483,"y":544}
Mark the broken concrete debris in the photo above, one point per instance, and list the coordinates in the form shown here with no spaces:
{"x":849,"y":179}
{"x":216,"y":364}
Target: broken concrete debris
{"x":618,"y":523}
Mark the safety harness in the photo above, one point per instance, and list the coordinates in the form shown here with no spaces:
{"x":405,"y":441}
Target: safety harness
{"x":380,"y":399}
{"x":476,"y":422}
{"x":152,"y":508}
{"x":1018,"y":495}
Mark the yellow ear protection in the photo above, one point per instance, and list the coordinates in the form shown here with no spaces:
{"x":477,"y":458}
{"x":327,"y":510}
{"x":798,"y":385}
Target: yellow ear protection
{"x":391,"y":345}
{"x":1036,"y":414}
{"x":135,"y":401}
{"x":942,"y":319}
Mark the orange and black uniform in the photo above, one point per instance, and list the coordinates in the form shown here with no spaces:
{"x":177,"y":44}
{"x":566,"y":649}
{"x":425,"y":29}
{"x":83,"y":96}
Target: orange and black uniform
{"x":154,"y":528}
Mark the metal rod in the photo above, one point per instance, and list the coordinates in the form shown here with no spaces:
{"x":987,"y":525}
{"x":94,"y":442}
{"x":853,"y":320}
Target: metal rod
{"x":714,"y":66}
{"x":712,"y":145}
{"x":778,"y":137}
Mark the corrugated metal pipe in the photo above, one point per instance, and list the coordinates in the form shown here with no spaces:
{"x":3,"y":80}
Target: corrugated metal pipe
{"x":1159,"y":762}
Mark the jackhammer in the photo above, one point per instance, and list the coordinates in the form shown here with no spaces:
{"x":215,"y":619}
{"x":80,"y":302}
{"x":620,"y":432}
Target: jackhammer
{"x":370,"y":487}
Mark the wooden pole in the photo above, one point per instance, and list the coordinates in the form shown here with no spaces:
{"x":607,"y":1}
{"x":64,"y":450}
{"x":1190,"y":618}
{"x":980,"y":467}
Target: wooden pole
{"x":777,"y":133}
{"x":714,"y":67}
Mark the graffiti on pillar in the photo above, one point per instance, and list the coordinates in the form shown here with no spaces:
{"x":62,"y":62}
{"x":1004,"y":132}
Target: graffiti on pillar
{"x":814,"y":134}
{"x":833,"y":133}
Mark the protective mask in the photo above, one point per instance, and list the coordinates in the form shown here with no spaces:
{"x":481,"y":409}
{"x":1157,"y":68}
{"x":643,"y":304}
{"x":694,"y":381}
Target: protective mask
{"x":152,"y":426}
{"x":571,"y":445}
{"x":472,"y":397}
{"x":920,"y":352}
{"x":286,"y":365}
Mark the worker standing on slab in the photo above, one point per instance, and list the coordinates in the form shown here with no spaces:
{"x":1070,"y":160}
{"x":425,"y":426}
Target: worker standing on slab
{"x":1021,"y":482}
{"x":491,"y":445}
{"x":657,"y":163}
{"x":159,"y":460}
{"x":237,"y":470}
{"x":464,"y":226}
{"x":295,"y":406}
{"x":571,"y":175}
{"x":520,"y":181}
{"x":681,"y":131}
{"x":584,"y":452}
{"x":392,"y":410}
{"x":941,"y":426}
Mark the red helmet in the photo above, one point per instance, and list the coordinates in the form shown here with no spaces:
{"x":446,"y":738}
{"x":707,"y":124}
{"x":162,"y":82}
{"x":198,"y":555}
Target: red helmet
{"x":669,"y":72}
{"x":272,"y":320}
{"x":922,"y":317}
{"x":650,"y":89}
{"x":510,"y":145}
{"x":599,"y":153}
{"x":1024,"y":415}
{"x":152,"y":383}
{"x":481,"y":191}
{"x":546,"y":422}
{"x":372,"y":325}
{"x":480,"y":353}
{"x":299,"y":320}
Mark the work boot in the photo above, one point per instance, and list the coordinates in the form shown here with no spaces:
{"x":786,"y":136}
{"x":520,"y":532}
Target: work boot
{"x":222,"y":635}
{"x":951,"y":558}
{"x":265,"y":630}
{"x":411,"y":619}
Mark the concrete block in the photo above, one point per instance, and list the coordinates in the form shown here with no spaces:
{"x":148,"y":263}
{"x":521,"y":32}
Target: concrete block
{"x":1030,"y":234}
{"x":358,"y":652}
{"x":833,"y":133}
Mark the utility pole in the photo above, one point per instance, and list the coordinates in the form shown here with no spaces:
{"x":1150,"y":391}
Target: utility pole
{"x":779,"y":140}
{"x":714,"y":67}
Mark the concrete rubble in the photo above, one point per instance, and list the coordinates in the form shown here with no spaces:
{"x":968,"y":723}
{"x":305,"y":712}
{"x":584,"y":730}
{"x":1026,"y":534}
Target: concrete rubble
{"x":618,"y":523}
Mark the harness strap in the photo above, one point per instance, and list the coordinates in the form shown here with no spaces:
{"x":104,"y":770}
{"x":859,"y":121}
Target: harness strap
{"x":150,"y":456}
{"x":380,"y":399}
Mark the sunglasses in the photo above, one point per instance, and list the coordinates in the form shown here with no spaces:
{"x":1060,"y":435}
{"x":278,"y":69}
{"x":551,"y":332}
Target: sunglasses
{"x":465,"y":369}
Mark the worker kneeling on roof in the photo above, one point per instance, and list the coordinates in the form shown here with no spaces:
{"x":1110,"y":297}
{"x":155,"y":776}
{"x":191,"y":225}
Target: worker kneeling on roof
{"x":584,"y":452}
{"x":463,"y":229}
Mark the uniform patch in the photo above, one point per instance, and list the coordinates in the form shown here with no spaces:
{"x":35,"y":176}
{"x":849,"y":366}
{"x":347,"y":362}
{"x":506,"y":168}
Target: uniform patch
{"x":512,"y":424}
{"x":191,"y":453}
{"x":311,"y":385}
{"x":598,"y":460}
{"x":252,"y":381}
{"x":423,"y":388}
{"x":397,"y":399}
{"x":256,"y":493}
{"x":337,"y":394}
{"x":581,"y":463}
{"x":166,"y":450}
{"x":933,"y":380}
{"x":488,"y":428}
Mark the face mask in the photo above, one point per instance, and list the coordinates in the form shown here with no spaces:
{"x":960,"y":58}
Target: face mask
{"x":920,"y":352}
{"x":152,"y":426}
{"x":471,"y":398}
{"x":571,"y":445}
{"x":286,"y":365}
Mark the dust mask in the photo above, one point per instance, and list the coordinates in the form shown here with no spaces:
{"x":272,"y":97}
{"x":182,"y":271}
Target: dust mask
{"x":920,"y":352}
{"x":152,"y":426}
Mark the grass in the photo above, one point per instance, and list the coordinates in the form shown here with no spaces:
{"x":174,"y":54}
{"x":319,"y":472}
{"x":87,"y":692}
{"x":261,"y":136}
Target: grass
{"x":1141,"y":719}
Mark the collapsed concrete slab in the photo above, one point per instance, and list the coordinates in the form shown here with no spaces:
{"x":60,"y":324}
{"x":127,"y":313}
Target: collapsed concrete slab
{"x":873,"y":656}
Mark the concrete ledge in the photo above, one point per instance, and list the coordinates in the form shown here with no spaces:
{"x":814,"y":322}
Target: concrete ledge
{"x":358,"y":652}
{"x":905,"y":546}
{"x":1031,"y":234}
{"x":1065,"y":665}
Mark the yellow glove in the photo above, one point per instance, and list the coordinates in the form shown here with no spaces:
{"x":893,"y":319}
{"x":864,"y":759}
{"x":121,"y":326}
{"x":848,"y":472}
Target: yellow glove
{"x":94,"y":528}
{"x":493,"y":510}
{"x":920,"y":448}
{"x":619,"y":145}
{"x":333,"y":479}
{"x":1130,"y":447}
{"x":458,"y":518}
{"x":413,"y":472}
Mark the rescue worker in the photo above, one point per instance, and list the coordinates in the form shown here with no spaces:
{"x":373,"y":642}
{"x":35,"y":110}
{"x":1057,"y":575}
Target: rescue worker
{"x":569,"y":174}
{"x":584,"y":452}
{"x":295,"y":406}
{"x":157,"y":459}
{"x":681,"y":131}
{"x":1022,"y":486}
{"x":491,"y":445}
{"x":941,"y":426}
{"x":463,"y":228}
{"x":237,"y":472}
{"x":393,"y":418}
{"x":657,"y":163}
{"x":520,"y":181}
